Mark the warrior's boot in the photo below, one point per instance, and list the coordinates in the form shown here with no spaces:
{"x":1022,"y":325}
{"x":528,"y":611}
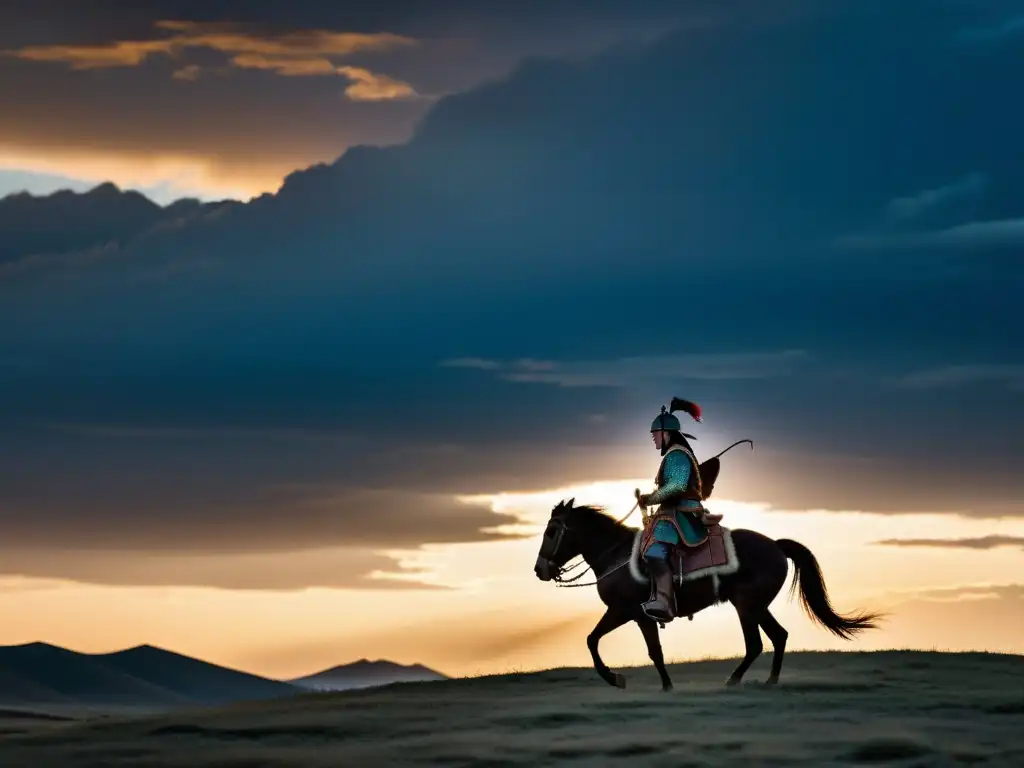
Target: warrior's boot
{"x":663,"y":606}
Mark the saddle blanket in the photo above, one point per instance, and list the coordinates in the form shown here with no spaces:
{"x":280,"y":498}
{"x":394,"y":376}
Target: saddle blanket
{"x":714,"y":556}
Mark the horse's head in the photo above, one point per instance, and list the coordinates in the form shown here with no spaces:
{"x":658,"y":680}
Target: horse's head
{"x":558,"y":546}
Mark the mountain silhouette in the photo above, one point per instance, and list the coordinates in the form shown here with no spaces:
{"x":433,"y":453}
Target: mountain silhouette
{"x":365,"y":674}
{"x":190,"y":678}
{"x":37,"y":675}
{"x":42,"y":677}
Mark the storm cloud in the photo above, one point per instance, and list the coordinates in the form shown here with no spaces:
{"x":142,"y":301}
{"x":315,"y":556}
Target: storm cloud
{"x":504,"y":301}
{"x":325,"y":568}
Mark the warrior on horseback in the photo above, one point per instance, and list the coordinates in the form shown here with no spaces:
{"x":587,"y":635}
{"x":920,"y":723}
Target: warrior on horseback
{"x":679,"y":518}
{"x":741,"y":567}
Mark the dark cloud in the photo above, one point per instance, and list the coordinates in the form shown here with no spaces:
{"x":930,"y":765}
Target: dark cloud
{"x":925,"y":202}
{"x":629,"y":371}
{"x":585,"y":238}
{"x":235,"y":510}
{"x":202,"y":497}
{"x":38,"y":229}
{"x":975,"y":235}
{"x":996,"y":33}
{"x":964,"y":375}
{"x":335,"y":568}
{"x":981,"y":542}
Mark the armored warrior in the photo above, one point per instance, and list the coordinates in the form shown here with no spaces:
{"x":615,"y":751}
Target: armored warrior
{"x":679,"y":495}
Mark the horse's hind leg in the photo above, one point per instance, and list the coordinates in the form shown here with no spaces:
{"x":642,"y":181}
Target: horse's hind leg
{"x":650,"y":632}
{"x":613,"y":619}
{"x":752,"y":640}
{"x":778,"y":635}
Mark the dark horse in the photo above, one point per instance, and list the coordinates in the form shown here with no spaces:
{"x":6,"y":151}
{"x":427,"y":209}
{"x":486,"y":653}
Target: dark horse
{"x":606,"y":545}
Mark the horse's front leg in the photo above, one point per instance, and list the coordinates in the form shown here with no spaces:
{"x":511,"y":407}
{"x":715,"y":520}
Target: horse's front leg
{"x":613,"y":618}
{"x":650,"y":632}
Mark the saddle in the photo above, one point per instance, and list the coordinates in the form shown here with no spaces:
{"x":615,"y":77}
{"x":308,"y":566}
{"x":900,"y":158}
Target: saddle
{"x":712,"y":555}
{"x":715,"y":555}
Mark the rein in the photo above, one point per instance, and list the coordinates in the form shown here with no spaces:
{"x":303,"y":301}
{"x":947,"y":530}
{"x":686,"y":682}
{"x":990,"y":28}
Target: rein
{"x":560,"y":582}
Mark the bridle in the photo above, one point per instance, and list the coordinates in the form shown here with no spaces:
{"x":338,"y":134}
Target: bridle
{"x":557,"y":528}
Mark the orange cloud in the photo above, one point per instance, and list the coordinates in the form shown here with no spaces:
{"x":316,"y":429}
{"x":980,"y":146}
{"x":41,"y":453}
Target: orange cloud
{"x":302,"y":53}
{"x":289,"y":67}
{"x":367,"y":86}
{"x":190,"y":72}
{"x":116,"y":54}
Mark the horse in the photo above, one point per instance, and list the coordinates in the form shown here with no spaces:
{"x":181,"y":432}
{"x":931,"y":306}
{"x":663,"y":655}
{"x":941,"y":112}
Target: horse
{"x":607,"y":545}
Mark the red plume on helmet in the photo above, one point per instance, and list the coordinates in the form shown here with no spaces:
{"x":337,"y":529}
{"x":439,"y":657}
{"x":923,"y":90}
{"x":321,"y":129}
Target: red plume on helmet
{"x":678,"y":404}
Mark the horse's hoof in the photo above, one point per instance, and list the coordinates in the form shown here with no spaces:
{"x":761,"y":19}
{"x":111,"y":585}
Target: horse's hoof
{"x":620,"y":680}
{"x":772,"y":680}
{"x":666,"y":688}
{"x":732,"y":681}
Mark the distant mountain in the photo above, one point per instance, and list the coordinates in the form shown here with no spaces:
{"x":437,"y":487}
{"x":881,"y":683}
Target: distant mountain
{"x":192,"y":679}
{"x":68,"y":221}
{"x":38,"y":675}
{"x":42,"y":677}
{"x":366,"y":674}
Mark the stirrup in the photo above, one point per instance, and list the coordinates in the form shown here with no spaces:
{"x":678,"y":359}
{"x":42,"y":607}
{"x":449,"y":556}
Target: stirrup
{"x":661,"y":619}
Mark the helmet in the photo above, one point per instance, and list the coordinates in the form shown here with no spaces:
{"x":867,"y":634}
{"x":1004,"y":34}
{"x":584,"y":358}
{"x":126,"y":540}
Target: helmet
{"x":665,"y":421}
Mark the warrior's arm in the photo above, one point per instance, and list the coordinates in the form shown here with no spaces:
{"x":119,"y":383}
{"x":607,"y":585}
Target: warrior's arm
{"x":677,"y":476}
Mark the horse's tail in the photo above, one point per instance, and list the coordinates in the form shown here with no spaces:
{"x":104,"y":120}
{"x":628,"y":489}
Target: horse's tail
{"x":814,"y":594}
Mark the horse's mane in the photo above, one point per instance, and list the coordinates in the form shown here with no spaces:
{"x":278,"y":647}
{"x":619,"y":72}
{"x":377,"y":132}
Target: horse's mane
{"x":603,"y":522}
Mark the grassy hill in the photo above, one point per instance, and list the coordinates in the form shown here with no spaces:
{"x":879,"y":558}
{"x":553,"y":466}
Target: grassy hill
{"x":887,"y":708}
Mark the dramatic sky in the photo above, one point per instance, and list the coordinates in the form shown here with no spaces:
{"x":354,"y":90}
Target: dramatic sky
{"x":225,"y":98}
{"x":475,"y":250}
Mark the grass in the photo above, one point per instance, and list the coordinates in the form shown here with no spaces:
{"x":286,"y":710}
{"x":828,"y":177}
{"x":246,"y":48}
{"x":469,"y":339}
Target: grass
{"x":884,"y":708}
